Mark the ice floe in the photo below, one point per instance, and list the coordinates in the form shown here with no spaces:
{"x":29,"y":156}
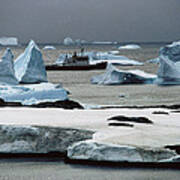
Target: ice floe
{"x":7,"y":74}
{"x":32,"y":94}
{"x":8,"y":41}
{"x":114,"y":76}
{"x":94,"y":151}
{"x":29,"y":66}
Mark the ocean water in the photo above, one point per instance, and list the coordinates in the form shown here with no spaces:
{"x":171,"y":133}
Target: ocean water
{"x":80,"y":88}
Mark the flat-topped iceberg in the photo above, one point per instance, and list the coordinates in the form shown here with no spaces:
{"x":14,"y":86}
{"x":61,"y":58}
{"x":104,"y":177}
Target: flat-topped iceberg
{"x":7,"y":74}
{"x":8,"y":41}
{"x":130,"y":47}
{"x":169,"y":68}
{"x":48,"y":47}
{"x":32,"y":94}
{"x":29,"y":66}
{"x":114,"y":76}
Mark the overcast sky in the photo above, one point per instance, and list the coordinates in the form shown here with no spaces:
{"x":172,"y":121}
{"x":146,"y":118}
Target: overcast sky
{"x":101,"y":20}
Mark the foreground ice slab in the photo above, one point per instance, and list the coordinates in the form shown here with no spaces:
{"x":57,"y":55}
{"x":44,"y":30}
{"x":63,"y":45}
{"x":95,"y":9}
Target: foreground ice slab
{"x":29,"y":66}
{"x":8,"y":41}
{"x":90,"y":150}
{"x":113,"y":76}
{"x":32,"y":94}
{"x":29,"y":139}
{"x":7,"y":74}
{"x":130,"y":47}
{"x":169,"y":69}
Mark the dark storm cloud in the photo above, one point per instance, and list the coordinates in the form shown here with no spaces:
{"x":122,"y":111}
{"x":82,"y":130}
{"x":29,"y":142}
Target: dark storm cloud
{"x":111,"y":20}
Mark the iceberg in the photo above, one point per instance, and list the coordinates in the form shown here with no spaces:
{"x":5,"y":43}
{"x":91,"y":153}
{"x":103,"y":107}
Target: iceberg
{"x":29,"y":66}
{"x":49,"y":48}
{"x":114,"y":76}
{"x":130,"y":47}
{"x":8,"y":41}
{"x":32,"y":94}
{"x":68,"y":41}
{"x":169,"y":68}
{"x":7,"y":74}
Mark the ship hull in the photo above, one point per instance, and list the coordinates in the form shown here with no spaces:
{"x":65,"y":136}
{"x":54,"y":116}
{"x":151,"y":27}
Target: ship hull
{"x":55,"y":67}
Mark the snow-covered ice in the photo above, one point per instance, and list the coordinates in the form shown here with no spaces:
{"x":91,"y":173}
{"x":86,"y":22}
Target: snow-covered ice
{"x":130,"y":47}
{"x":7,"y":74}
{"x":113,"y":76}
{"x":8,"y":41}
{"x":29,"y":66}
{"x":32,"y":94}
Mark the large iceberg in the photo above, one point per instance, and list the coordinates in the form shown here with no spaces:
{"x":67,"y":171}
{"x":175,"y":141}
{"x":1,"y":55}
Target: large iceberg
{"x":7,"y":74}
{"x":169,"y":68}
{"x":113,"y":76}
{"x":8,"y":41}
{"x":29,"y":66}
{"x":32,"y":94}
{"x":130,"y":47}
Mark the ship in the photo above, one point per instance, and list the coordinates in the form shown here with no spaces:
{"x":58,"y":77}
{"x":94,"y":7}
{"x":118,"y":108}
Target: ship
{"x":76,"y":62}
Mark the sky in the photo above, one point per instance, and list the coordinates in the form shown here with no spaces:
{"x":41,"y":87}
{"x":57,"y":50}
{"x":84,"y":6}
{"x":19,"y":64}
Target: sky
{"x":93,"y":20}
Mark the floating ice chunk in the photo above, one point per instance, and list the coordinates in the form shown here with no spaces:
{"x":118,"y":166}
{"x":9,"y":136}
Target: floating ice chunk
{"x":130,"y":47}
{"x":32,"y":94}
{"x":68,"y":41}
{"x":8,"y":41}
{"x":113,"y":76}
{"x":29,"y":66}
{"x":49,"y":48}
{"x":169,"y":69}
{"x":7,"y":74}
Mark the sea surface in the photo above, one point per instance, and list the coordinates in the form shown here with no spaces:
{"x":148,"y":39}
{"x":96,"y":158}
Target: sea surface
{"x":80,"y":88}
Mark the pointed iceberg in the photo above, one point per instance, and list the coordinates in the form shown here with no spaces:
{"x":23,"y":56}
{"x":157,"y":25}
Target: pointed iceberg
{"x":29,"y":66}
{"x":169,"y":69}
{"x":7,"y":74}
{"x":114,"y":76}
